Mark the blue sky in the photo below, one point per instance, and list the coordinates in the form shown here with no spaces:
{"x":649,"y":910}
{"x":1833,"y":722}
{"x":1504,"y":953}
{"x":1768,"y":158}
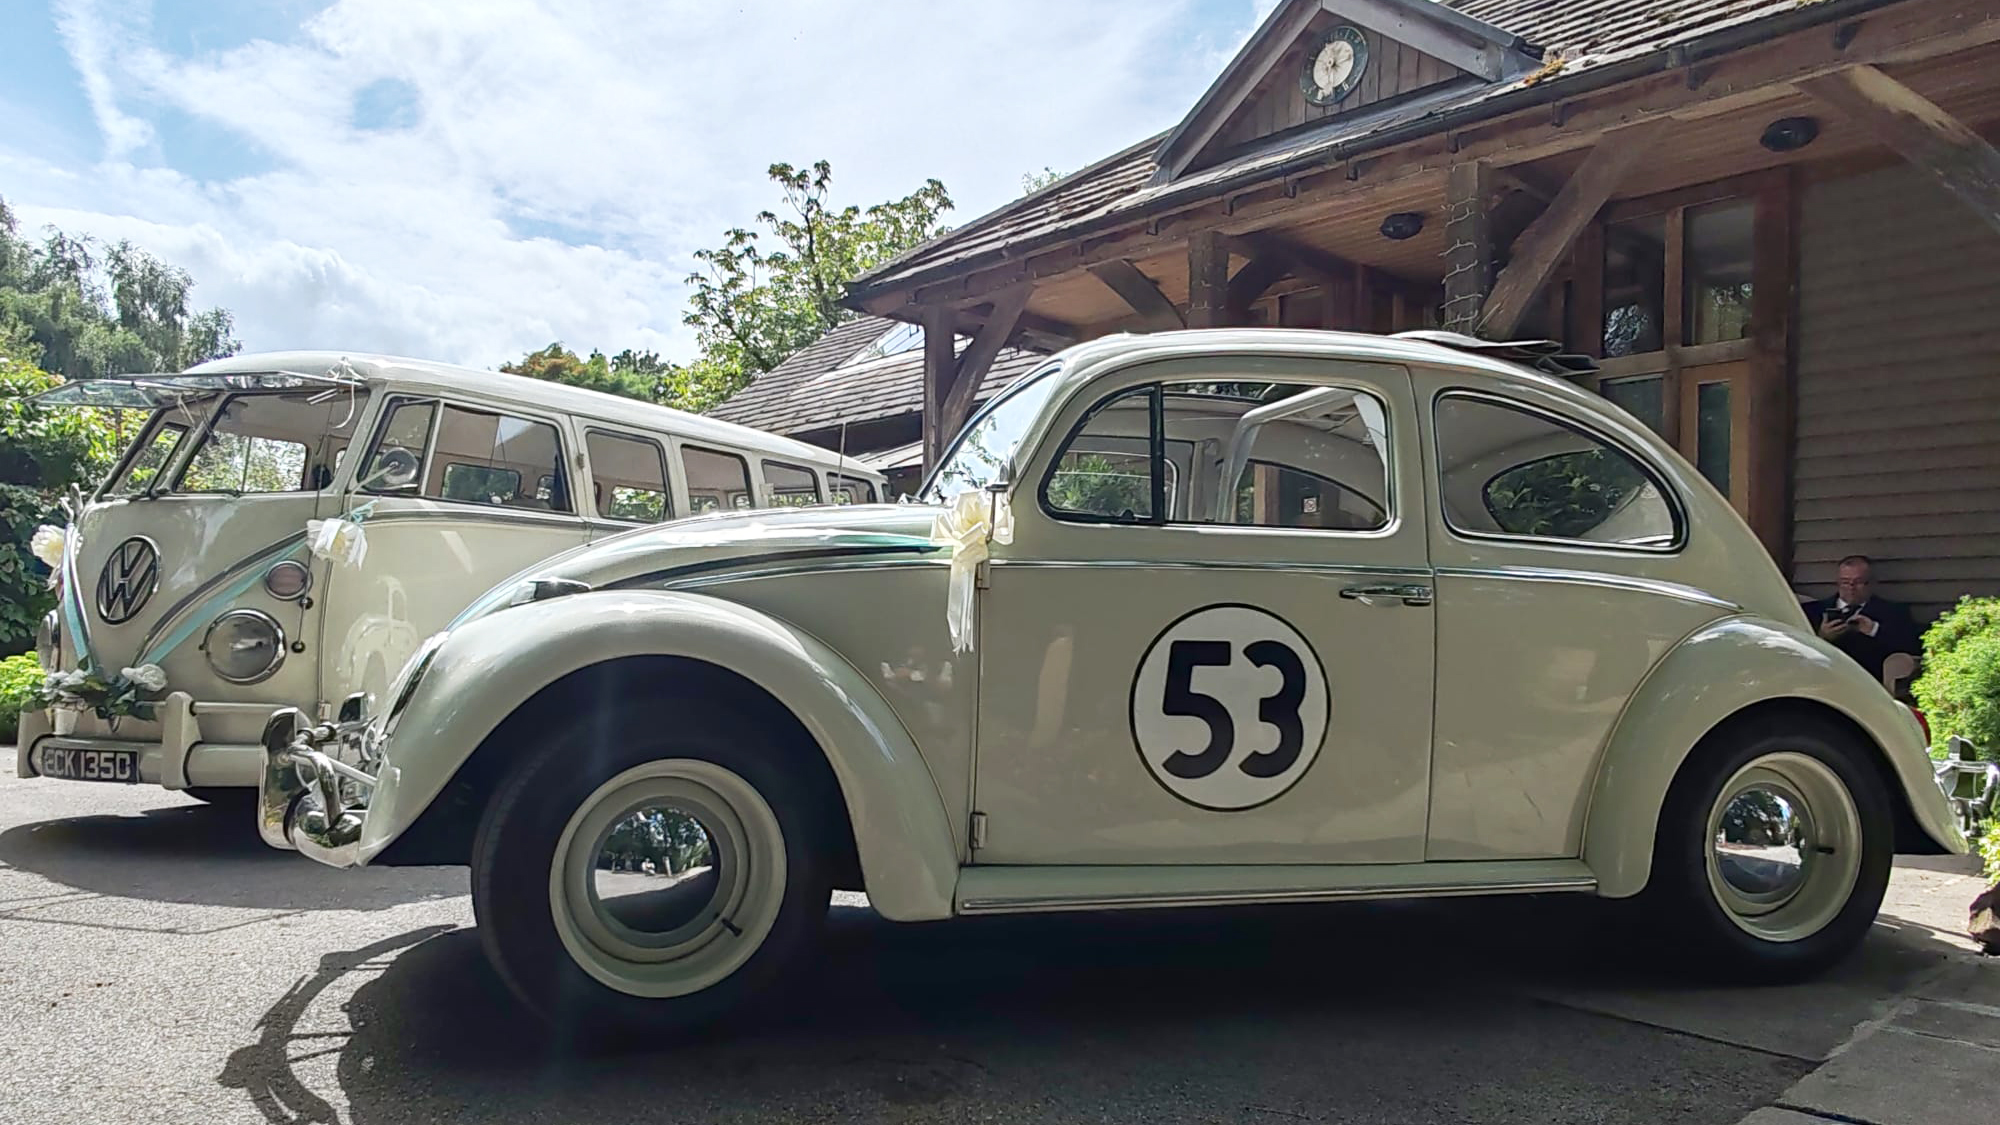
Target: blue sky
{"x":468,"y":181}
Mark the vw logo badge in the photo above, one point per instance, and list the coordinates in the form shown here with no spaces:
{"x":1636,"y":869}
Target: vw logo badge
{"x":130,"y":576}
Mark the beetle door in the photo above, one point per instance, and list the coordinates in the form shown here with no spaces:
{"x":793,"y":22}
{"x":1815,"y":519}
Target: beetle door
{"x":1211,"y":639}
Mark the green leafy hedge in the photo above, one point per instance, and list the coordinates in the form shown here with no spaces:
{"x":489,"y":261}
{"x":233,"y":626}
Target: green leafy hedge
{"x":20,"y":676}
{"x":1960,"y":688}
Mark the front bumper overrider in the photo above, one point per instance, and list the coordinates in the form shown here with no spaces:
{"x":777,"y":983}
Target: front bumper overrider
{"x":313,"y":801}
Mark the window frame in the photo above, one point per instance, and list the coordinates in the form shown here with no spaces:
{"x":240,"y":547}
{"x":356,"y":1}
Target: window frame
{"x":1386,"y":517}
{"x":146,"y":436}
{"x":666,"y":476}
{"x":765,"y":464}
{"x":1156,"y":391}
{"x":440,"y":403}
{"x":1676,"y":503}
{"x":687,"y":478}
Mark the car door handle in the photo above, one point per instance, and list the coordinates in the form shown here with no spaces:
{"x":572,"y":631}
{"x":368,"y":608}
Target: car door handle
{"x":1412,"y":594}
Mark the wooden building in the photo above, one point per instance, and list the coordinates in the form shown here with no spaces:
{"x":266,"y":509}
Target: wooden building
{"x":1775,"y":221}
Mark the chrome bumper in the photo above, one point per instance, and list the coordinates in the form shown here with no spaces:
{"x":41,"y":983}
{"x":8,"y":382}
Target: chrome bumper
{"x":309,"y":800}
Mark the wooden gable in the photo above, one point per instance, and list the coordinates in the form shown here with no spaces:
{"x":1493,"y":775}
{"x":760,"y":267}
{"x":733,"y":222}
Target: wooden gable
{"x":1409,"y":48}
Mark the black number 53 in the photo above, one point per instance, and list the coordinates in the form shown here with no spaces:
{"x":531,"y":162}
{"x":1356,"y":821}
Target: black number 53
{"x":1280,"y":710}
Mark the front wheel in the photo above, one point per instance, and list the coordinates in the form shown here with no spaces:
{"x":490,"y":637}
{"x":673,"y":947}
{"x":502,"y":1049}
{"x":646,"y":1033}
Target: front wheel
{"x":1774,"y":849}
{"x":635,"y":876}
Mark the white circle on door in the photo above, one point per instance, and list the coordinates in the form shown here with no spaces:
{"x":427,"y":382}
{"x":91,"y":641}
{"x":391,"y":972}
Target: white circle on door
{"x":1229,"y":707}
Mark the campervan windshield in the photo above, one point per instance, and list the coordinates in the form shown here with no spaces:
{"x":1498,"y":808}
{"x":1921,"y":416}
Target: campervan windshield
{"x":248,"y":442}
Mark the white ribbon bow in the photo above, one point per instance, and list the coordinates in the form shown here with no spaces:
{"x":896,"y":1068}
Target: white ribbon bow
{"x":341,"y":540}
{"x":969,"y":522}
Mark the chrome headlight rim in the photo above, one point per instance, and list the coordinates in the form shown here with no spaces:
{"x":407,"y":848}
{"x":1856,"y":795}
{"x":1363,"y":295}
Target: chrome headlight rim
{"x":289,"y":566}
{"x":277,"y":646}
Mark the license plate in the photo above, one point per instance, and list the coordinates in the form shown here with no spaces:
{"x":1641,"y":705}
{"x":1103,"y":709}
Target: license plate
{"x":91,"y":765}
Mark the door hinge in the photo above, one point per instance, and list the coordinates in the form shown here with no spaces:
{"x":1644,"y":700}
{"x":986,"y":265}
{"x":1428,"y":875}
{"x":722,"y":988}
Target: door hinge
{"x":979,"y":830}
{"x":982,"y":575}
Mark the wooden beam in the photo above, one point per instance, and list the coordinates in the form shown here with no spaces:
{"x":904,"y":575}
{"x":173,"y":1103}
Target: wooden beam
{"x":1428,"y":34}
{"x":1253,"y":280}
{"x":1925,"y":135}
{"x":1468,"y":238}
{"x":940,"y":364}
{"x":1586,"y":312}
{"x":1141,"y":293}
{"x":1208,"y":281}
{"x":978,"y":357}
{"x":1548,"y":239}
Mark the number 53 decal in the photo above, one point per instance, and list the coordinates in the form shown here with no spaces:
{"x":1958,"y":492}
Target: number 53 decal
{"x":1229,"y":707}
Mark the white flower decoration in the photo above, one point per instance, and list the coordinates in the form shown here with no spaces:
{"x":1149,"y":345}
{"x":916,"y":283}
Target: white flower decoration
{"x":338,"y":539}
{"x":47,"y":545}
{"x":148,"y":676}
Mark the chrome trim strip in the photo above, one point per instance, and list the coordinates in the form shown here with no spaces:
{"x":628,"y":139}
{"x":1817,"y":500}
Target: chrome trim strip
{"x":222,"y":578}
{"x":1193,"y":564}
{"x":1592,"y":578}
{"x":460,"y":511}
{"x":783,"y":571}
{"x":1581,"y":883}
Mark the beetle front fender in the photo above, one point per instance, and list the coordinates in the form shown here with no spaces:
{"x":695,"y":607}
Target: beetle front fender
{"x":1716,"y":672}
{"x":486,"y":669}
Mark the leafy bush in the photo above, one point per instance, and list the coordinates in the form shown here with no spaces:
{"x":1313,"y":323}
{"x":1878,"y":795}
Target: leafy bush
{"x":1989,"y":849}
{"x":1960,"y":688}
{"x":42,"y":453}
{"x":20,"y":676}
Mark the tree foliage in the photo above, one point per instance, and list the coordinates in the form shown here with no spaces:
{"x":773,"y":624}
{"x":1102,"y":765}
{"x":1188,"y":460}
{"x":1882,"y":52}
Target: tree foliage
{"x":42,"y":453}
{"x":768,"y":290}
{"x":82,"y":309}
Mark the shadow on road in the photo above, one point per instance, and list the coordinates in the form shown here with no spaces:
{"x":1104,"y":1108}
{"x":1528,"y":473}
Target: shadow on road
{"x":1386,"y":1012}
{"x":208,"y":856}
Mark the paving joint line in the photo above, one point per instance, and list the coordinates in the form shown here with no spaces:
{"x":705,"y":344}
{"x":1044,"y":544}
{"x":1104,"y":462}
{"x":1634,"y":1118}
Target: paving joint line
{"x":1683,"y":1032}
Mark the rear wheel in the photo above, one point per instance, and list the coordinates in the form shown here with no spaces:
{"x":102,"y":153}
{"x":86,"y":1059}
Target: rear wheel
{"x":1774,"y":849}
{"x":636,"y":873}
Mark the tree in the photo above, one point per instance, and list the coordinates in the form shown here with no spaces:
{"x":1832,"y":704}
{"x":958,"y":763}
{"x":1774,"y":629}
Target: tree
{"x":1032,"y":182}
{"x":43,"y":452}
{"x":751,"y":308}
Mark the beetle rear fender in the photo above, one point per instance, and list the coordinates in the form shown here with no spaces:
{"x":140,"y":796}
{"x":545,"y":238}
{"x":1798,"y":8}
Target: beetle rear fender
{"x":1719,"y":672}
{"x":490,"y":668}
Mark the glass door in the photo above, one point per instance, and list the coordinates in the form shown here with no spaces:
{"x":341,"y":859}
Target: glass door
{"x":1714,"y":417}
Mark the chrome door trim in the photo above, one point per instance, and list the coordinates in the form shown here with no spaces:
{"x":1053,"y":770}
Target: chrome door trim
{"x":1591,"y":578}
{"x":1190,"y":564}
{"x":1032,"y":905}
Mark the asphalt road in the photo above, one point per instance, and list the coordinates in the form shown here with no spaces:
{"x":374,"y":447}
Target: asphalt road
{"x":158,"y":963}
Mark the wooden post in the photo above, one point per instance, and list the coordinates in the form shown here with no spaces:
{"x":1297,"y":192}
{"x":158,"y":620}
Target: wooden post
{"x":1468,"y":238}
{"x":1364,"y":299}
{"x":971,"y":367}
{"x":1586,"y":313}
{"x":940,"y":364}
{"x":1921,"y":132}
{"x":1773,"y":297}
{"x":1548,"y":239}
{"x":1208,"y":281}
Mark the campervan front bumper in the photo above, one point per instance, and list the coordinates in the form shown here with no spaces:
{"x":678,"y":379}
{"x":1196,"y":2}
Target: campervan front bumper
{"x":185,"y":744}
{"x":312,"y":801}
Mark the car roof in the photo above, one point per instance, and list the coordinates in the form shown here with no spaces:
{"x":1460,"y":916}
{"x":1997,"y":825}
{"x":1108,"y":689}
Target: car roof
{"x":560,"y":397}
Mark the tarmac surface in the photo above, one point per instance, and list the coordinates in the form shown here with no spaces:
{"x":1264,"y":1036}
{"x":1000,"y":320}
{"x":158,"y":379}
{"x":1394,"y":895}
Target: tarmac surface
{"x":158,"y":963}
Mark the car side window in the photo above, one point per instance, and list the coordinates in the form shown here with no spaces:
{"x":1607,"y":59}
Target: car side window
{"x":468,"y":456}
{"x":628,"y":477}
{"x":792,"y":486}
{"x":1508,"y":471}
{"x":852,"y":490}
{"x":1234,"y":454}
{"x":716,"y":481}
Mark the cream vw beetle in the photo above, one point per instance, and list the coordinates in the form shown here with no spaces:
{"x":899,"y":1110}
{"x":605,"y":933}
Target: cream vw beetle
{"x":1237,"y":616}
{"x":242,"y":556}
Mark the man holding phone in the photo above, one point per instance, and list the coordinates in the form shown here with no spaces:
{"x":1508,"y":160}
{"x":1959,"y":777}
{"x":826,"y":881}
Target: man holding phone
{"x":1860,"y":624}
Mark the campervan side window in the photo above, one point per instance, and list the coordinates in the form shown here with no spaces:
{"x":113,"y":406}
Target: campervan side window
{"x":792,"y":486}
{"x":628,"y":477}
{"x":716,"y":481}
{"x":852,"y":490}
{"x":448,"y":452}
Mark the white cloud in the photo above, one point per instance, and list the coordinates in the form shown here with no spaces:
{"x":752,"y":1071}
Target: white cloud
{"x":638,"y":130}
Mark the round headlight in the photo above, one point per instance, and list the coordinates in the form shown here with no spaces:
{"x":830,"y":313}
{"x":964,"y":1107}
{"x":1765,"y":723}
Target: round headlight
{"x":288,"y":581}
{"x":244,"y":646}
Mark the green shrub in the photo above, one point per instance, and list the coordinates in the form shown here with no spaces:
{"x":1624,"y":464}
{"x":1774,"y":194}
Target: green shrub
{"x":1989,"y":849}
{"x":43,"y":451}
{"x":20,"y":676}
{"x":1960,"y":688}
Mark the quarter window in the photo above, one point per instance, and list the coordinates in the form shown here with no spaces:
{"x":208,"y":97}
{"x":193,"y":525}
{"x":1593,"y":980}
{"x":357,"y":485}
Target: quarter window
{"x":716,"y":481}
{"x":791,"y":486}
{"x":628,"y":477}
{"x":1506,"y":471}
{"x":1238,"y":454}
{"x":157,"y":449}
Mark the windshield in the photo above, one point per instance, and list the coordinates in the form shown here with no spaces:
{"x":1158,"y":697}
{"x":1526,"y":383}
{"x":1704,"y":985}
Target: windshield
{"x":986,"y":448}
{"x":256,"y":442}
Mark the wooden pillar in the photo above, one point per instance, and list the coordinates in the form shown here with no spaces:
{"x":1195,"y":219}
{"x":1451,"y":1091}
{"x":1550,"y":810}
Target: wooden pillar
{"x":940,"y":365}
{"x":1208,"y":281}
{"x":1586,"y":311}
{"x":1773,"y":299}
{"x":1468,"y":238}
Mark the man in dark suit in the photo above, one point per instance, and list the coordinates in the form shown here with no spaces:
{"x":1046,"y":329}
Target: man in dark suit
{"x":1860,"y":624}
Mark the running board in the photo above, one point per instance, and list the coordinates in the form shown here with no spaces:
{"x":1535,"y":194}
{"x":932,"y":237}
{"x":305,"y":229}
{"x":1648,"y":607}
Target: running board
{"x":1028,"y":890}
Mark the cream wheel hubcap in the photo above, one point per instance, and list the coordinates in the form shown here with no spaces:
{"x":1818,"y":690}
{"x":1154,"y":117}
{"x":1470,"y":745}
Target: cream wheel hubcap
{"x":1784,"y":847}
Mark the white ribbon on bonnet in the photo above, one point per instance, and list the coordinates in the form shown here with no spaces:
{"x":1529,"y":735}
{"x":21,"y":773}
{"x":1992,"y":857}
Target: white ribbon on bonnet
{"x":968,"y":523}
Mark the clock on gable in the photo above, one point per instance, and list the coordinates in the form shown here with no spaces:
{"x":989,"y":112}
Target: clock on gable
{"x":1334,"y":68}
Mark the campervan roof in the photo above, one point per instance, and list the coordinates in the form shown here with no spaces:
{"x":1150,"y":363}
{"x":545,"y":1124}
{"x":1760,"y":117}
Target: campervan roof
{"x":290,"y":370}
